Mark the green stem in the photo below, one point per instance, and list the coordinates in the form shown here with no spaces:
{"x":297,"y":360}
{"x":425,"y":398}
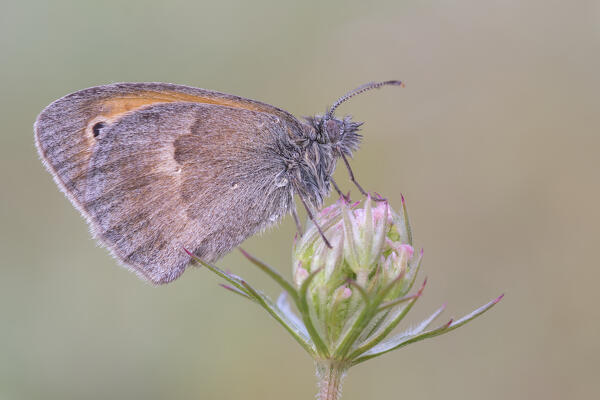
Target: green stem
{"x":330,"y":375}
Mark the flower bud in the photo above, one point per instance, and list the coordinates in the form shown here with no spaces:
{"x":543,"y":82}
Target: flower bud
{"x":371,"y":251}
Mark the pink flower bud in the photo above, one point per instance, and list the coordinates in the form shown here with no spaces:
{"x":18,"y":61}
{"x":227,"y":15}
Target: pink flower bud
{"x":346,"y":293}
{"x":300,"y":275}
{"x":408,"y":249}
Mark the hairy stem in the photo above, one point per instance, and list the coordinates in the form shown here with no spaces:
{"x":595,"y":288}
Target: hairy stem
{"x":330,"y":375}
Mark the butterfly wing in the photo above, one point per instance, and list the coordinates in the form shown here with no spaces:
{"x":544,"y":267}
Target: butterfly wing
{"x":64,"y":131}
{"x":169,"y":174}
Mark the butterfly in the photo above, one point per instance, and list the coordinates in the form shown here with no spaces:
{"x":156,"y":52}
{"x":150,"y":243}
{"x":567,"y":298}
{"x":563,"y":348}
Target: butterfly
{"x":155,"y":168}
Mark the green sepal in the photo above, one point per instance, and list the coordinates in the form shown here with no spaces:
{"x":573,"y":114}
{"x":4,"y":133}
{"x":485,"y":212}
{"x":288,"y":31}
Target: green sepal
{"x":416,"y":334}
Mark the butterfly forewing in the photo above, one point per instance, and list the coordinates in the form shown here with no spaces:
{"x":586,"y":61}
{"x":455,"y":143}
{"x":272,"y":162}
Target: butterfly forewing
{"x":155,"y":174}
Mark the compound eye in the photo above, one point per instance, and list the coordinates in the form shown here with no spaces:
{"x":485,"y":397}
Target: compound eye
{"x":331,"y":125}
{"x":333,"y":129}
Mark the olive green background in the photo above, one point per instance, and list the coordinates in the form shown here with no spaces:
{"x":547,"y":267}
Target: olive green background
{"x":494,"y":142}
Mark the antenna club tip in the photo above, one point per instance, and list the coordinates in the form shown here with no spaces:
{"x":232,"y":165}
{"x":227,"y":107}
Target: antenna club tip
{"x":394,"y":82}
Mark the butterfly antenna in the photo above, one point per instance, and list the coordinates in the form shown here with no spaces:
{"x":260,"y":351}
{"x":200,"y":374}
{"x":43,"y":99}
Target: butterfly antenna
{"x":359,"y":90}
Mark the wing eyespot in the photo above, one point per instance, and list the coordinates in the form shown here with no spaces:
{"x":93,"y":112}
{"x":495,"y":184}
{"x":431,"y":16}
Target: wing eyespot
{"x":96,"y":128}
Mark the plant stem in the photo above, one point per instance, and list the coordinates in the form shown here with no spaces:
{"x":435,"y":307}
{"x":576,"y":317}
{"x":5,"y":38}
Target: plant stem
{"x":330,"y":375}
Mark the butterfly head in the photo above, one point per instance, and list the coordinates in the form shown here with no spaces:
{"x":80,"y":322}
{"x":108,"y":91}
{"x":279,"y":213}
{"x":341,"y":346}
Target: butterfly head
{"x":326,"y":138}
{"x":339,"y":134}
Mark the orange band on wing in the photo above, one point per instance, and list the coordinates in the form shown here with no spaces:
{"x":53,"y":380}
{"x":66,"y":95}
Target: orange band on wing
{"x":113,"y":107}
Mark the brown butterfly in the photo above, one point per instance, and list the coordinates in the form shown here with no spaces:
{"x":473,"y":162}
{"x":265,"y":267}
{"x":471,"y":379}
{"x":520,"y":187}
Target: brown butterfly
{"x":156,"y":168}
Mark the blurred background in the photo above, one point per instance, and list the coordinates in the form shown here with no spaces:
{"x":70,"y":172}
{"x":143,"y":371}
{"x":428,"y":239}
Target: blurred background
{"x":494,"y":142}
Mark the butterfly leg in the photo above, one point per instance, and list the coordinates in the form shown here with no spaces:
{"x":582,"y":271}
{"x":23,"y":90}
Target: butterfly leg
{"x":352,"y":175}
{"x":312,"y":218}
{"x":297,"y":221}
{"x":337,"y":189}
{"x":364,"y":193}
